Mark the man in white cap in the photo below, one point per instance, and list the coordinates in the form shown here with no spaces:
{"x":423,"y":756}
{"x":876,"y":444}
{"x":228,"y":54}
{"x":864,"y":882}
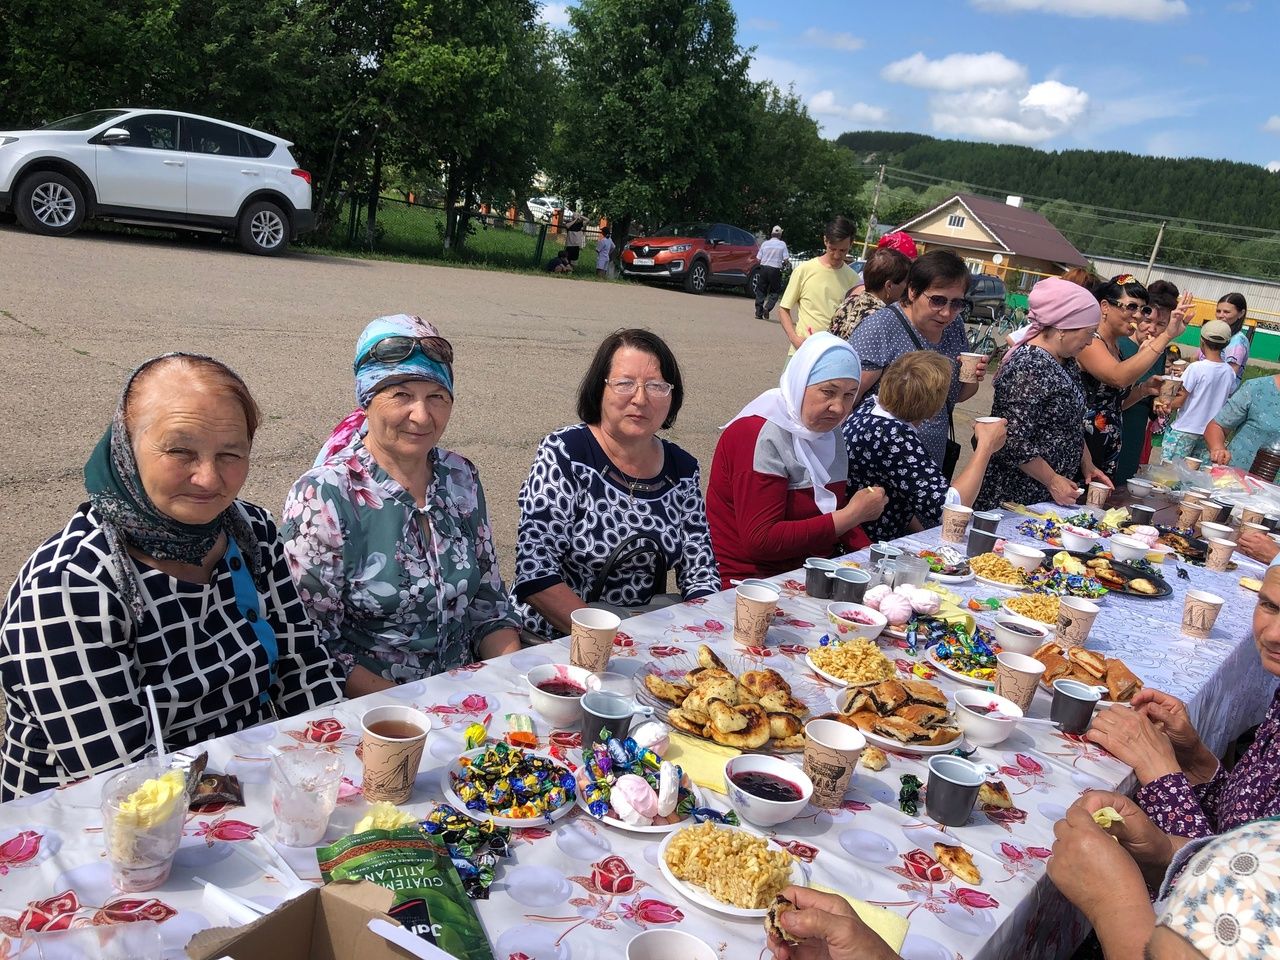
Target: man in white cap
{"x":773,"y":254}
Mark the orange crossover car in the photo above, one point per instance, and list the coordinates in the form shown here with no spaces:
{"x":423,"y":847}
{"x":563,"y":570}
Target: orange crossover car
{"x":695,"y":255}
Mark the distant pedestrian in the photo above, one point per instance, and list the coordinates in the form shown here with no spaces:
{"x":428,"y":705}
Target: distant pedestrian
{"x":1206,"y":385}
{"x":1231,"y":310}
{"x":604,"y":250}
{"x":559,"y":264}
{"x":818,"y":286}
{"x":576,"y":237}
{"x":773,"y":254}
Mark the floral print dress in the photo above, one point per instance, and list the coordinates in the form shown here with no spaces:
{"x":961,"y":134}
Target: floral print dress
{"x":1104,"y":421}
{"x":402,"y":591}
{"x":1043,"y":400}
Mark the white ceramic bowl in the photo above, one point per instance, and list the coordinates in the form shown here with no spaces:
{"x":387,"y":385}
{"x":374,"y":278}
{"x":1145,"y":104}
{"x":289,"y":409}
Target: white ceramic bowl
{"x":1017,"y":641}
{"x":757,"y":810}
{"x":1219,"y":530}
{"x":1078,"y":540}
{"x":1140,"y":488}
{"x":981,"y":729}
{"x":847,"y":629}
{"x":1023,"y":557}
{"x":1127,"y":548}
{"x":557,"y":710}
{"x":668,"y":945}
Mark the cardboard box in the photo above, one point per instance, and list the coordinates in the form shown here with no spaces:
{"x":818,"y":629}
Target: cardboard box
{"x":328,"y":923}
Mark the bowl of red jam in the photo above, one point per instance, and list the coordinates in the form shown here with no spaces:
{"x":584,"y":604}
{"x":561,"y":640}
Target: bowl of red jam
{"x":766,"y":790}
{"x":555,"y":692}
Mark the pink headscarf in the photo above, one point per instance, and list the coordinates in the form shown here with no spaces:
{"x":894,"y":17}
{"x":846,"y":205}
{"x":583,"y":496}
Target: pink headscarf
{"x":1059,"y":304}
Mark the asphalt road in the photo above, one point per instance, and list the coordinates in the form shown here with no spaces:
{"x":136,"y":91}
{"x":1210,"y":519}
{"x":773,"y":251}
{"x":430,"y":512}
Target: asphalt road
{"x":77,"y":314}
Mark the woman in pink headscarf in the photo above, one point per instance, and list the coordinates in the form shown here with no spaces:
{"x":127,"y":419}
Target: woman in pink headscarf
{"x":1038,"y":391}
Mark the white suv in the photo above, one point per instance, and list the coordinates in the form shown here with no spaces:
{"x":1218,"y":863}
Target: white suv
{"x":156,"y":168}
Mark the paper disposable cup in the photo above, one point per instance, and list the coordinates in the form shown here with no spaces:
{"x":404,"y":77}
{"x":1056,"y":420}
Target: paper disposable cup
{"x":591,"y":638}
{"x":831,"y":751}
{"x":1075,"y":620}
{"x":1098,"y":493}
{"x":969,"y":366}
{"x":391,"y":763}
{"x":1250,"y":515}
{"x":1016,"y":678}
{"x":1199,"y":613}
{"x":955,"y":520}
{"x":1219,"y":554}
{"x":752,"y":611}
{"x":1188,"y":514}
{"x":1192,"y":463}
{"x":1169,"y":387}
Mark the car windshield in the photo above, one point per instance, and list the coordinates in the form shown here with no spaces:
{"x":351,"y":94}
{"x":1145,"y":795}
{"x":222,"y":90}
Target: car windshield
{"x":84,"y":121}
{"x":684,"y":230}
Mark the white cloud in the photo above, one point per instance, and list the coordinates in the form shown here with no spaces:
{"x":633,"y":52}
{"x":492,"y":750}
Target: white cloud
{"x":555,"y":15}
{"x":781,"y":73}
{"x":1273,"y":124}
{"x":824,"y":103}
{"x":1240,"y":6}
{"x":1274,"y":166}
{"x":834,"y":41}
{"x":956,"y":71}
{"x":762,"y":24}
{"x":1148,"y":10}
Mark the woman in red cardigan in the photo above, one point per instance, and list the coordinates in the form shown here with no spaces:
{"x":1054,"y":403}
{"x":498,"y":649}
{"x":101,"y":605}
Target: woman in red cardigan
{"x":777,"y":489}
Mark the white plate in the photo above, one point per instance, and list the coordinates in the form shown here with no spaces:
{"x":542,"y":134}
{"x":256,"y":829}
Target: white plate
{"x":836,"y":680}
{"x":887,"y":743}
{"x":1000,"y":584}
{"x":446,"y":786}
{"x":698,"y":800}
{"x":700,"y":896}
{"x":943,"y":578}
{"x":1051,"y":627}
{"x":931,"y":655}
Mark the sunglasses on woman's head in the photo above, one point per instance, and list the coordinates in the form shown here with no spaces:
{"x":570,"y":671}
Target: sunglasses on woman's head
{"x":395,"y":349}
{"x":1141,"y":308}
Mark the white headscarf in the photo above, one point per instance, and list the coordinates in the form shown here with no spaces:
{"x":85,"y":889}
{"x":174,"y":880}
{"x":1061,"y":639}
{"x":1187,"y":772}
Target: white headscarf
{"x":781,"y":406}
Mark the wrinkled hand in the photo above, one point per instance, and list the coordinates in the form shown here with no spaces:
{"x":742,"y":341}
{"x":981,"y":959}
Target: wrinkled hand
{"x":992,"y":436}
{"x":1149,"y":846}
{"x":1064,"y":491}
{"x":827,"y":929}
{"x":1133,"y":739}
{"x":1094,"y":475}
{"x":1221,"y":457}
{"x":1152,"y":387}
{"x":1099,"y":876}
{"x":1257,"y":546}
{"x":1182,"y":315}
{"x":868,"y":503}
{"x":981,"y":372}
{"x":1169,"y":714}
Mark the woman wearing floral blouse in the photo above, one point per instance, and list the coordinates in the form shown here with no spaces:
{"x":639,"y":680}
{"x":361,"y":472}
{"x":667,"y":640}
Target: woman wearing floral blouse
{"x":595,"y":485}
{"x":1185,"y":790}
{"x":388,"y":536}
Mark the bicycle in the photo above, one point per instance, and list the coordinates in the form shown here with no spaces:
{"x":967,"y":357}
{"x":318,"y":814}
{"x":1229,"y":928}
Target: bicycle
{"x":991,"y":338}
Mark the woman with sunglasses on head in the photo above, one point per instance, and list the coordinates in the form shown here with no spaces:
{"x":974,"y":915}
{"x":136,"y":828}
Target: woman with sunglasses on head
{"x":927,"y":318}
{"x":1108,"y":378}
{"x":818,"y":286}
{"x":388,"y":536}
{"x":1139,"y":406}
{"x":609,"y":506}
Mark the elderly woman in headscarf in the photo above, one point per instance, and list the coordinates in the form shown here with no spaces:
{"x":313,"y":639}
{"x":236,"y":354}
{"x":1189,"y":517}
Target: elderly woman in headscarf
{"x":1039,"y":394}
{"x":162,"y":581}
{"x":388,"y":536}
{"x":777,"y":492}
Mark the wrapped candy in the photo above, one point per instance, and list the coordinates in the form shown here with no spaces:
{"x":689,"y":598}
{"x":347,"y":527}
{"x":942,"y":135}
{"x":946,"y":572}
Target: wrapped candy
{"x":475,"y":847}
{"x":613,"y":788}
{"x":520,"y":731}
{"x":708,"y":814}
{"x":909,"y":795}
{"x":474,"y":736}
{"x":874,"y":595}
{"x":508,"y":782}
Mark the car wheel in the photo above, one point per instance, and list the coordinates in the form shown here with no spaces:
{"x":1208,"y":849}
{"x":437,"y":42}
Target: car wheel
{"x":51,"y":204}
{"x":753,"y":283}
{"x":695,"y":281}
{"x":264,"y":229}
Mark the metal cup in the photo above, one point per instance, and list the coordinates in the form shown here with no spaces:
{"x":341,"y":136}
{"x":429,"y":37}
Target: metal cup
{"x":1142,"y":515}
{"x":952,"y":790}
{"x":987,"y":521}
{"x":848,"y":585}
{"x":1073,"y":703}
{"x":884,"y":551}
{"x":980,"y":542}
{"x":817,"y":583}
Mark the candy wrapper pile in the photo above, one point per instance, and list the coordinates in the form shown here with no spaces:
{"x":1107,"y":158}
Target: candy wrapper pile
{"x":634,"y":784}
{"x":508,"y":782}
{"x":474,"y":847}
{"x":1057,"y":583}
{"x":973,"y":654}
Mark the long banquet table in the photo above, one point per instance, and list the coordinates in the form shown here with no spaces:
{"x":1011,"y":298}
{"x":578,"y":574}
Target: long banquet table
{"x":579,"y":889}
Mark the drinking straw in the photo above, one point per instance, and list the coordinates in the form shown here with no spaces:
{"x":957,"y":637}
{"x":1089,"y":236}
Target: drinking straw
{"x":155,"y":721}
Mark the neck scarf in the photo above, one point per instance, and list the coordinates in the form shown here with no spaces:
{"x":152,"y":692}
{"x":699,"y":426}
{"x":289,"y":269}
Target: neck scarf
{"x":781,"y":406}
{"x":130,"y":519}
{"x":1057,"y":304}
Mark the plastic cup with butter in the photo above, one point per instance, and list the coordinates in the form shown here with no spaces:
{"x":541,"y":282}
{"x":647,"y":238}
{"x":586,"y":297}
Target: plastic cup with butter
{"x":143,"y":811}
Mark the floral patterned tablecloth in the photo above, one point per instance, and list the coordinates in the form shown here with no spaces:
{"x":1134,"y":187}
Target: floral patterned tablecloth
{"x":578,"y":890}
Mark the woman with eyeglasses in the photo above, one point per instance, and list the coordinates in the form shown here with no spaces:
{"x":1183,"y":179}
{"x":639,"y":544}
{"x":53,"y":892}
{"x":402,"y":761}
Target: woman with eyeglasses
{"x":388,"y":535}
{"x":928,"y":318}
{"x":609,"y":506}
{"x":817,"y":286}
{"x":1139,"y":407}
{"x":1108,"y":378}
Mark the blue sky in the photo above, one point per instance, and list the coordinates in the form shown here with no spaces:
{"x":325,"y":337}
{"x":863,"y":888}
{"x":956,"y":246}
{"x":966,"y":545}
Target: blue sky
{"x":1164,"y":77}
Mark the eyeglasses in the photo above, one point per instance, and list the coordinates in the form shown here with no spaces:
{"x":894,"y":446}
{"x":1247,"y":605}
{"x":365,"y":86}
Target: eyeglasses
{"x":655,"y":388}
{"x":1135,"y":308}
{"x":955,"y":303}
{"x":395,"y":349}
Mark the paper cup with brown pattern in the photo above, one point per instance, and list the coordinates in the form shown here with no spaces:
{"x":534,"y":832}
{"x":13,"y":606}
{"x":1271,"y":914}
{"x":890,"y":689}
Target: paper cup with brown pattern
{"x":831,"y":751}
{"x":1189,"y":514}
{"x":1250,"y":515}
{"x":391,"y":743}
{"x":1075,"y":619}
{"x":591,"y":638}
{"x":1199,"y":613}
{"x":1016,"y":678}
{"x":955,"y":521}
{"x":1219,"y":553}
{"x":753,"y":608}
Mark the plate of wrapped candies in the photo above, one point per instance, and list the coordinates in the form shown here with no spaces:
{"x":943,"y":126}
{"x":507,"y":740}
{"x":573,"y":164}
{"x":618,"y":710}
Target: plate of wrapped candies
{"x":947,"y":565}
{"x":630,"y":787}
{"x":965,"y":657}
{"x":509,"y":786}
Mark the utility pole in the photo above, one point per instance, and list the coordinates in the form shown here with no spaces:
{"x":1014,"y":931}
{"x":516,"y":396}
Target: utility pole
{"x":871,"y":222}
{"x":1154,"y":250}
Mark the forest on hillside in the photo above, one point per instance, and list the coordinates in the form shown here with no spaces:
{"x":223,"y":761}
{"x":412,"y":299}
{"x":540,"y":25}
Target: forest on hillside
{"x":1068,"y":186}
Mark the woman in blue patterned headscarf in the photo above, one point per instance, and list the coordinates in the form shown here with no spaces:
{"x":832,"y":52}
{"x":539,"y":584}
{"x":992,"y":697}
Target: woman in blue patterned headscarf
{"x":388,"y":536}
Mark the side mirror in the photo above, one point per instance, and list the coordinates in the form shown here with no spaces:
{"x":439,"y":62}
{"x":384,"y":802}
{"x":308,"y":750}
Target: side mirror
{"x":716,"y":241}
{"x":115,"y":135}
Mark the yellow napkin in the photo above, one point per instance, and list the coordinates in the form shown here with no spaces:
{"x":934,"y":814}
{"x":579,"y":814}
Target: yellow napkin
{"x":703,"y":762}
{"x":890,"y":927}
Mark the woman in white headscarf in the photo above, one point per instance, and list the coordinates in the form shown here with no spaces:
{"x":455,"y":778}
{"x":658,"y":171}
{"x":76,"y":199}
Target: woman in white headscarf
{"x":777,"y":489}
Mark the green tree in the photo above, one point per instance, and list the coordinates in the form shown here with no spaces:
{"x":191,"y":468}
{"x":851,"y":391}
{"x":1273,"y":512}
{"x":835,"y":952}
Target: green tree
{"x":657,"y":104}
